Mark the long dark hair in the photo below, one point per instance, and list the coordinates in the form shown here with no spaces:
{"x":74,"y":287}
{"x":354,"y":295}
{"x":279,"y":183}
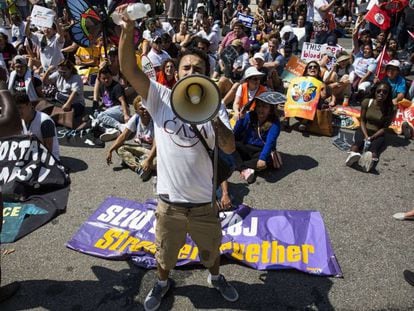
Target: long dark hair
{"x":305,"y":73}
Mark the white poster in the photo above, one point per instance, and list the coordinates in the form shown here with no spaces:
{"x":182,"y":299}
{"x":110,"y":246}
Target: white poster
{"x":42,"y":17}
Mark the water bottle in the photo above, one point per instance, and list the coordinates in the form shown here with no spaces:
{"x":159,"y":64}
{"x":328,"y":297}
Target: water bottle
{"x":367,"y":144}
{"x":133,"y":11}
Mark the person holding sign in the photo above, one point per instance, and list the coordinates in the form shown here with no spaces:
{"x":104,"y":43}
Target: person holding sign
{"x":376,"y":116}
{"x":185,"y":171}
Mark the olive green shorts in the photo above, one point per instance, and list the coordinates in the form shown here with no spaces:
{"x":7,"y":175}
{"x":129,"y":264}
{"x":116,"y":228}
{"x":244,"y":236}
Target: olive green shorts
{"x":173,"y":224}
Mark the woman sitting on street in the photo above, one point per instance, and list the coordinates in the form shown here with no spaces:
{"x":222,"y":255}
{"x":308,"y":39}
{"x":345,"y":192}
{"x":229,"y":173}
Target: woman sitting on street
{"x":376,"y":116}
{"x":167,"y":75}
{"x":256,"y":134}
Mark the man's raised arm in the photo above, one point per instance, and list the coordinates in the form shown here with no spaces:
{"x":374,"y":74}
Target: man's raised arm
{"x":135,"y":76}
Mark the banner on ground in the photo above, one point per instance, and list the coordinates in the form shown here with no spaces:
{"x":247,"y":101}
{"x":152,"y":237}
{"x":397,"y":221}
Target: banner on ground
{"x":30,"y":177}
{"x":303,"y":97}
{"x":405,"y":113}
{"x":294,"y":68}
{"x":314,"y":51}
{"x":261,"y":239}
{"x":84,"y":138}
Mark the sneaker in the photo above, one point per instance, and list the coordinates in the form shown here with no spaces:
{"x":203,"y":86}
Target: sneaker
{"x":406,"y":130}
{"x":145,"y":175}
{"x":302,"y":127}
{"x":8,"y":290}
{"x":110,"y":134}
{"x":366,"y":161}
{"x":226,"y":290}
{"x":352,"y":158}
{"x":153,"y":300}
{"x":248,"y":175}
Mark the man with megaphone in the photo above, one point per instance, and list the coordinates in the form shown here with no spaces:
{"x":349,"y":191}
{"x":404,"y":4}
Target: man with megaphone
{"x":185,"y":170}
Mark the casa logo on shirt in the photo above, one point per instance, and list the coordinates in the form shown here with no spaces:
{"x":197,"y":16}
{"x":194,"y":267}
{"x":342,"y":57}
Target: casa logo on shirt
{"x":181,"y":133}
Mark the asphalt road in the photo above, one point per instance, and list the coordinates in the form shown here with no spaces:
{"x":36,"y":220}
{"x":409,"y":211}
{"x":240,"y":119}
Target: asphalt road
{"x":372,"y":248}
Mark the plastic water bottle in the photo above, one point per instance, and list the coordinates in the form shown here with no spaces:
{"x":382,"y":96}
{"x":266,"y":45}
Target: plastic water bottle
{"x":367,"y":144}
{"x":133,"y":11}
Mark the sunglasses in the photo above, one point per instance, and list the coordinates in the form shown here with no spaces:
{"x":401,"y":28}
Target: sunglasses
{"x":383,"y":91}
{"x":313,"y":67}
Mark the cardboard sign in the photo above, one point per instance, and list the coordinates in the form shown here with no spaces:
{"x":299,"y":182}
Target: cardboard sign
{"x":294,"y":68}
{"x":303,"y":97}
{"x":246,"y":20}
{"x":42,"y":17}
{"x":313,"y":51}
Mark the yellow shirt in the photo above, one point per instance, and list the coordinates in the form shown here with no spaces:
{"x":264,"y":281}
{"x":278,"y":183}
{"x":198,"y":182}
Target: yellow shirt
{"x":88,"y":54}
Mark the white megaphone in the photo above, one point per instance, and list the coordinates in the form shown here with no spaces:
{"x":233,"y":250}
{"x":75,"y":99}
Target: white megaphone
{"x":195,"y":99}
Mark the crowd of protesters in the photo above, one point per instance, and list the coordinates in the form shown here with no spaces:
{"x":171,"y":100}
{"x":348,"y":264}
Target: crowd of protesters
{"x":44,"y":68}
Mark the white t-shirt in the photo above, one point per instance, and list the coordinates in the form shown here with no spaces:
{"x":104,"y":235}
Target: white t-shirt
{"x":318,"y":16}
{"x":50,"y":54}
{"x":184,"y":168}
{"x":250,"y":94}
{"x":212,"y":37}
{"x":157,"y":59}
{"x":143,"y":134}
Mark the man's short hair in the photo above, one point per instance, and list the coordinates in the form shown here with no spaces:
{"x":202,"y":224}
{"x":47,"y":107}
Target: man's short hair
{"x":238,"y":24}
{"x":105,"y":70}
{"x":21,"y":98}
{"x":203,"y":55}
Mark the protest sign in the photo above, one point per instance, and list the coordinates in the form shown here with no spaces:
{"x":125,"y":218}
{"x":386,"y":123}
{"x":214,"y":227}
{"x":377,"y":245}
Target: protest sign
{"x":261,"y":239}
{"x":303,"y":97}
{"x":313,"y":51}
{"x":148,"y":68}
{"x":30,"y":174}
{"x":404,"y":113}
{"x":294,"y":68}
{"x":246,"y":20}
{"x":42,"y":17}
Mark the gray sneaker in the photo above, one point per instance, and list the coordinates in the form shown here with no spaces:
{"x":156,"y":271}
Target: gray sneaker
{"x":366,"y":161}
{"x":153,"y":300}
{"x":352,"y":158}
{"x":226,"y":290}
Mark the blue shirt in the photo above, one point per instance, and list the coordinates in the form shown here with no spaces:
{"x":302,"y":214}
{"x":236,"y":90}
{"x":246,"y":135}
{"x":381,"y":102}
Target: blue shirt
{"x":397,"y":85}
{"x":247,"y":133}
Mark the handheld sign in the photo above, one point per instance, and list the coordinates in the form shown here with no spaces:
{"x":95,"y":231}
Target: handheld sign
{"x":42,"y":17}
{"x":313,"y":51}
{"x":148,"y":68}
{"x":246,"y":20}
{"x":303,"y":97}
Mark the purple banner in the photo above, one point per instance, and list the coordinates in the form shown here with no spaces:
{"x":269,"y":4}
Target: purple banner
{"x":261,"y":239}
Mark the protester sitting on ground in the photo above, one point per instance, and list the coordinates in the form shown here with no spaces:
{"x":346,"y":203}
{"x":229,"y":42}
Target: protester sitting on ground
{"x":260,"y":35}
{"x":236,"y":33}
{"x":87,"y":61}
{"x":167,"y":75}
{"x":138,"y":157}
{"x":182,"y":38}
{"x":341,"y":86}
{"x":17,"y":29}
{"x":69,"y":87}
{"x":288,"y":38}
{"x":376,"y":116}
{"x":151,"y":32}
{"x":256,"y":134}
{"x":274,"y":60}
{"x":157,"y":55}
{"x":210,"y":32}
{"x":37,"y":123}
{"x":116,"y":110}
{"x":49,"y":43}
{"x":204,"y":45}
{"x":168,"y":46}
{"x":10,"y":125}
{"x":7,"y":50}
{"x":247,"y":91}
{"x":395,"y":80}
{"x":363,"y":74}
{"x":404,"y":216}
{"x":23,"y":80}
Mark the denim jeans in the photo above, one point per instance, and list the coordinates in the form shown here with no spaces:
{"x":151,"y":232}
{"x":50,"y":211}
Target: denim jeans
{"x":112,"y":117}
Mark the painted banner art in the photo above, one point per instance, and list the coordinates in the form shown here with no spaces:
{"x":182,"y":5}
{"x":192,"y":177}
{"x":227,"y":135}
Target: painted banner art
{"x":303,"y":97}
{"x":261,"y":239}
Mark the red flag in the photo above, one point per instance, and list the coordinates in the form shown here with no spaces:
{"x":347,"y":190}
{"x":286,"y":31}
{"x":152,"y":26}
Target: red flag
{"x":382,"y":62}
{"x":411,"y":34}
{"x":378,"y":17}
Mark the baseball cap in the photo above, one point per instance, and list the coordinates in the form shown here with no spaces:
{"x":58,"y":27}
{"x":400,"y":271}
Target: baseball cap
{"x":259,"y":56}
{"x":393,"y":63}
{"x":19,"y":59}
